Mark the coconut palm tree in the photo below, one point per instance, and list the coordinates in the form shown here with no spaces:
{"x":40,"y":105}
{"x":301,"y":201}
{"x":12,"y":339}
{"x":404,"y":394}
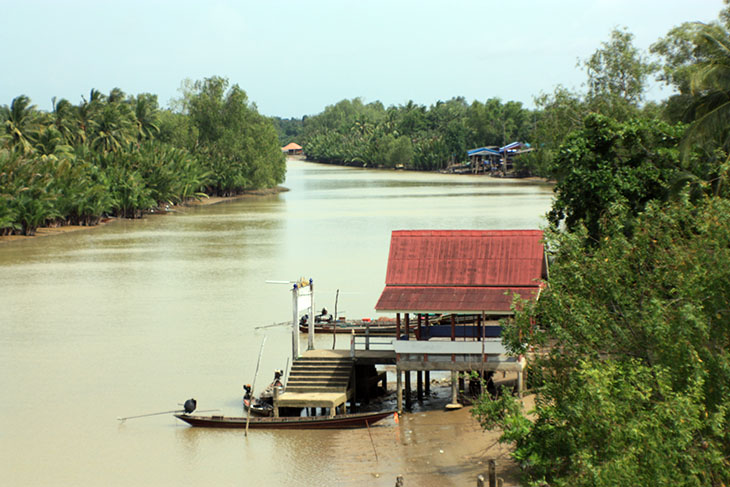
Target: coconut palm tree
{"x":112,"y":128}
{"x":146,"y":111}
{"x":709,"y":113}
{"x":19,"y":124}
{"x":65,"y":120}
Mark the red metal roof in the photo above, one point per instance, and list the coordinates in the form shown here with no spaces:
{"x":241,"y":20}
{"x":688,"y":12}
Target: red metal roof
{"x":465,"y":258}
{"x":488,"y":262}
{"x":452,"y":299}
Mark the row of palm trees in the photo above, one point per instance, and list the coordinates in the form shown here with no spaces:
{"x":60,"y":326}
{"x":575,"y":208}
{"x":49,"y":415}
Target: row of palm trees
{"x":105,"y":156}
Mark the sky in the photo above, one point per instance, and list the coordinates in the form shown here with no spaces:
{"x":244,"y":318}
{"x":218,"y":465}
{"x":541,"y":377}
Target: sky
{"x":294,"y":58}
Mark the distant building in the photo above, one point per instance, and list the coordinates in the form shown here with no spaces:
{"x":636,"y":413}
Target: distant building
{"x":292,"y":149}
{"x":496,"y":159}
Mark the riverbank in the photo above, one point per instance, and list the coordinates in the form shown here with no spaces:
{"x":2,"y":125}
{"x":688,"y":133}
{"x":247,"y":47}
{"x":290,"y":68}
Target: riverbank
{"x":210,"y":200}
{"x":428,"y":447}
{"x":508,"y":177}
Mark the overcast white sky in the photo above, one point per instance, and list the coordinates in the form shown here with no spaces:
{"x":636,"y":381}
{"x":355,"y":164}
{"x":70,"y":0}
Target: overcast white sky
{"x":293,"y":58}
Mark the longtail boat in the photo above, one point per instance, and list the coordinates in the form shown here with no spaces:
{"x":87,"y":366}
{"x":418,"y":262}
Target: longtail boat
{"x":342,"y":421}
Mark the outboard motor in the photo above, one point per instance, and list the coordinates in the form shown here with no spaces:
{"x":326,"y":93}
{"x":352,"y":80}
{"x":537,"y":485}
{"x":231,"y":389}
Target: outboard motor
{"x":190,"y":405}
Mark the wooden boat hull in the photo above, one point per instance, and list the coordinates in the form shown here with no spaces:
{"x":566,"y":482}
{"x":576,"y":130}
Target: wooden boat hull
{"x":342,"y":421}
{"x":376,"y":327}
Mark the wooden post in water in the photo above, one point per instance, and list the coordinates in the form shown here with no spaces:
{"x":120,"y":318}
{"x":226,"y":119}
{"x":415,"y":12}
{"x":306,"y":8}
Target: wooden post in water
{"x":492,"y":473}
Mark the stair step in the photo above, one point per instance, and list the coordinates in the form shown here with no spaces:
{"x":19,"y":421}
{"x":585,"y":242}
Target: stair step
{"x":295,"y":373}
{"x":314,"y":389}
{"x":323,"y":362}
{"x":314,"y":381}
{"x":320,"y":374}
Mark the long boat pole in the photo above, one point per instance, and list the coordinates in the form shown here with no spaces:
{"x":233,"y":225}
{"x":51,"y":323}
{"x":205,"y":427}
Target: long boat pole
{"x":295,"y":323}
{"x":310,"y":328}
{"x":334,"y":323}
{"x":253,"y":385}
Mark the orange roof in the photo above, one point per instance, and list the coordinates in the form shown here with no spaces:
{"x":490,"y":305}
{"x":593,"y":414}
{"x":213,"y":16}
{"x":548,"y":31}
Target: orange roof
{"x":291,"y":146}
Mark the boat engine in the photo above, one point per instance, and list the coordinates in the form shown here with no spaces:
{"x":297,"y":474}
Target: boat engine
{"x":190,"y":405}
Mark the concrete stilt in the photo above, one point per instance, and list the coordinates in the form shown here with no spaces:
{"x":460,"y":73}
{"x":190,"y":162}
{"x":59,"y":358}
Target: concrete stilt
{"x":454,"y":392}
{"x":399,"y":390}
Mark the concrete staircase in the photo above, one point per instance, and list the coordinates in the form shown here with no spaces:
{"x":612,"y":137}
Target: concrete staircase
{"x":320,"y":374}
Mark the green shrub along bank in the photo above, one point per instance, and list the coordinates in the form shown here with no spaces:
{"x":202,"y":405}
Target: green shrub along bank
{"x":119,"y":155}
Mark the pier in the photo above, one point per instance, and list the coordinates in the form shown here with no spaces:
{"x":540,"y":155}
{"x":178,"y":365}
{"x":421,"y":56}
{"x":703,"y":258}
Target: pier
{"x":448,"y":289}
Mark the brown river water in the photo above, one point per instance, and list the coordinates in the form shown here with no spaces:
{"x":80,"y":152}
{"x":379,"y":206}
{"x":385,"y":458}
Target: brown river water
{"x":138,"y":316}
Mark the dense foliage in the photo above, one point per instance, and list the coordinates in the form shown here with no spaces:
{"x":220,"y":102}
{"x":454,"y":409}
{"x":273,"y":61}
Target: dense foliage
{"x":410,"y":136}
{"x":119,"y":155}
{"x":629,"y":343}
{"x":632,"y":355}
{"x":608,"y":165}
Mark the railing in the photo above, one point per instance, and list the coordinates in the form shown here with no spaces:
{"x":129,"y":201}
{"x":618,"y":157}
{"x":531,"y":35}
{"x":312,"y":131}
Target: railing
{"x":364,"y":342}
{"x":420,"y":347}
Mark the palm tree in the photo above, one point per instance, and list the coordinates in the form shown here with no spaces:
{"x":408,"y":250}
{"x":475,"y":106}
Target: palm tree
{"x":710,"y":111}
{"x":65,"y":120}
{"x":51,"y":142}
{"x":146,"y":111}
{"x":18,"y":124}
{"x":112,"y":128}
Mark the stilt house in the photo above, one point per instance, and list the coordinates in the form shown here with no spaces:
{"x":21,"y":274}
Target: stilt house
{"x":448,"y":290}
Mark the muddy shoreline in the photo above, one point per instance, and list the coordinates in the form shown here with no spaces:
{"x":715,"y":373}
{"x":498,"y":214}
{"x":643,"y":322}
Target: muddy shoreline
{"x":430,"y":446}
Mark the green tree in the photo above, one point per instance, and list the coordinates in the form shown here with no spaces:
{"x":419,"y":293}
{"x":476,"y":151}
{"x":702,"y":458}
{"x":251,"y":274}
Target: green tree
{"x":239,"y":145}
{"x":618,"y":74}
{"x":609,"y":165}
{"x":558,"y":114}
{"x":631,"y":355}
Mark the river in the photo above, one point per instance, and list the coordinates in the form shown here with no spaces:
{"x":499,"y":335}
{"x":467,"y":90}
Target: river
{"x":139,"y":315}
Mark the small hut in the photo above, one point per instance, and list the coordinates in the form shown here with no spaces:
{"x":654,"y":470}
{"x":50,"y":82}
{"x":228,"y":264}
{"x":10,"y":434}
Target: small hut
{"x":292,"y":149}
